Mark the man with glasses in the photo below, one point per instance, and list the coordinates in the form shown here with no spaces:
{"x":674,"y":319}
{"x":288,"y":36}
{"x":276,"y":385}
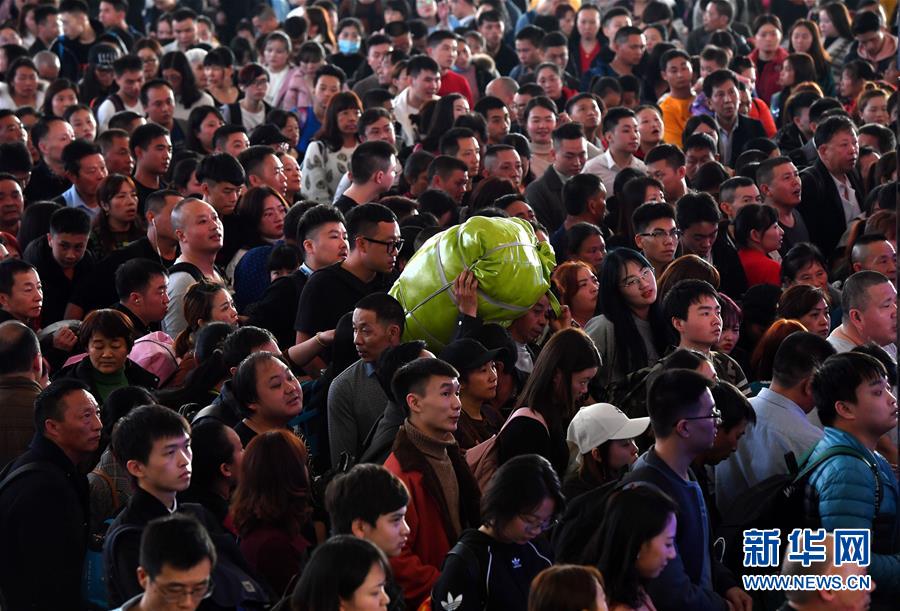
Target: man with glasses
{"x":656,"y":234}
{"x":692,"y":308}
{"x":176,"y":562}
{"x":331,"y":292}
{"x":684,"y":418}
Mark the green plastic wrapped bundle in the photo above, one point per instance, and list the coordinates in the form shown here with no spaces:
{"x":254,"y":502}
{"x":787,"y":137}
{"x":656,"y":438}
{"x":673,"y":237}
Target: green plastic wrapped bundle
{"x":511,"y":266}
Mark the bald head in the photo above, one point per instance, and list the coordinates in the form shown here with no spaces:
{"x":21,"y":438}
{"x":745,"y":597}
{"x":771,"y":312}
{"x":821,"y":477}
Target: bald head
{"x":197,"y":226}
{"x":504,"y":88}
{"x":19,"y":349}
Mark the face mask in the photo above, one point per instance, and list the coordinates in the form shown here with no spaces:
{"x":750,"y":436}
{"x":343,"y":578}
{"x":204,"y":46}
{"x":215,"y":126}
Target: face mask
{"x":348,"y":47}
{"x":453,"y":22}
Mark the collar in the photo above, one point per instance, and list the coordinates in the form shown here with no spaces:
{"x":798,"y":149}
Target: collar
{"x":767,"y":394}
{"x":74,"y":200}
{"x":369,"y":368}
{"x":306,"y":270}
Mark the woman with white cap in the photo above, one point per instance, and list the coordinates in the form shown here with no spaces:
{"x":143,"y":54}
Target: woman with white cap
{"x":603,"y":437}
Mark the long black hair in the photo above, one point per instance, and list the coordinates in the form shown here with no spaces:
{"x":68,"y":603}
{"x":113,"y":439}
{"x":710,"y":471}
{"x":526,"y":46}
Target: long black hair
{"x":176,"y":60}
{"x":518,"y":487}
{"x":632,"y":355}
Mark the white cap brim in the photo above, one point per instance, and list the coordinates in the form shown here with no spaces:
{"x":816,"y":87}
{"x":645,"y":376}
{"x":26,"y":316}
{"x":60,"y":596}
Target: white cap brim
{"x":631,"y":429}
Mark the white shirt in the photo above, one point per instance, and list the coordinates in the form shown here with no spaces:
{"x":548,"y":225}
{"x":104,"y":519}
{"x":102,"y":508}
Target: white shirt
{"x":107,"y":109}
{"x":848,"y":198}
{"x":604,"y":167}
{"x":402,"y":112}
{"x":182,"y":112}
{"x":276,"y":79}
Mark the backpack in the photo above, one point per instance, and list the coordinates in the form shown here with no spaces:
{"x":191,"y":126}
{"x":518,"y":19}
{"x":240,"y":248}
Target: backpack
{"x":188,"y":268}
{"x":155,"y":352}
{"x":117,"y":103}
{"x":780,"y":501}
{"x":484,"y":458}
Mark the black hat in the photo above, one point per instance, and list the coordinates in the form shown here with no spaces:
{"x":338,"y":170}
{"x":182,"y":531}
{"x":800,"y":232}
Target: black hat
{"x":102,"y":56}
{"x":267,"y":133}
{"x":467,"y":354}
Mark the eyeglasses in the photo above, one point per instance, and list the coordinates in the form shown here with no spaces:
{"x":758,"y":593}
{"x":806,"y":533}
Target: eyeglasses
{"x":716,"y":414}
{"x":533,"y":525}
{"x":634,"y":281}
{"x":659,"y":234}
{"x":392,"y":245}
{"x":175,"y":593}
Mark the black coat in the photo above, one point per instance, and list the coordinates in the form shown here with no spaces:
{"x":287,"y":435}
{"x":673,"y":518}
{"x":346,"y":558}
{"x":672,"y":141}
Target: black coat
{"x":224,"y":408}
{"x":821,"y":206}
{"x":43,"y":531}
{"x":545,"y":196}
{"x":83,"y":370}
{"x":725,"y":258}
{"x":746,"y":130}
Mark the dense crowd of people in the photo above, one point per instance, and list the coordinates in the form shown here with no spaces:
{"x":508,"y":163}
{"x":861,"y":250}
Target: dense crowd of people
{"x":216,"y":392}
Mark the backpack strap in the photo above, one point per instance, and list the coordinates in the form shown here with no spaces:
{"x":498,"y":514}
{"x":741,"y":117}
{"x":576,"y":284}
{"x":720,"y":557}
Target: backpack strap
{"x":39,"y":466}
{"x":464,"y":551}
{"x":525,"y":412}
{"x":112,"y":488}
{"x":188,"y":268}
{"x":833,"y":451}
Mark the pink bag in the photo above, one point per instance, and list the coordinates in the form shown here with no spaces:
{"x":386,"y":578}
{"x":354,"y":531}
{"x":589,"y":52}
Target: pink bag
{"x":484,"y":458}
{"x":155,"y":352}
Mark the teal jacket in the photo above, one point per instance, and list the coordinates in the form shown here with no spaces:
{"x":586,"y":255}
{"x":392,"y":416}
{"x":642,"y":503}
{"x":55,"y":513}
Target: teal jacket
{"x":845,"y":489}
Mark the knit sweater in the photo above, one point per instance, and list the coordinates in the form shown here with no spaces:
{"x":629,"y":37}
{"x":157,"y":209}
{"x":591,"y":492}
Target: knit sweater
{"x":355,"y":401}
{"x":435,"y":452}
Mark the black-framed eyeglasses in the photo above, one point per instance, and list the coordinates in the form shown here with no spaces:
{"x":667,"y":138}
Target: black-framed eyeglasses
{"x":392,"y":245}
{"x":716,"y":414}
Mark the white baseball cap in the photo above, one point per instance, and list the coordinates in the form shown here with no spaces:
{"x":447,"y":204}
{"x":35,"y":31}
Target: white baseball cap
{"x":596,"y":424}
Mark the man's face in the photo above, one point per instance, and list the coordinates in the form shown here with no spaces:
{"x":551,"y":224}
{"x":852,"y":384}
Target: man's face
{"x":389,"y":533}
{"x":130,"y":84}
{"x":168,"y":467}
{"x":91,"y":172}
{"x":376,"y":54}
{"x":79,"y":430}
{"x":12,"y":130}
{"x":222,"y":195}
{"x":520,"y":103}
{"x":650,"y":126}
{"x":58,"y":137}
{"x":438,"y":408}
{"x":540,"y":125}
{"x":726,"y":443}
{"x":631,"y":51}
{"x":154,"y":299}
{"x":371,"y":336}
{"x":875,"y":407}
{"x":73,"y":24}
{"x":528,"y":54}
{"x":381,"y":130}
{"x":492,"y":32}
{"x":202,"y":229}
{"x":712,"y":19}
{"x":497,"y":124}
{"x":68,"y":248}
{"x":878,"y":321}
{"x":724,"y":101}
{"x":694,"y":158}
{"x":624,"y":137}
{"x":235,"y":144}
{"x":160,"y":106}
{"x":186,"y":33}
{"x":669,"y":177}
{"x":380,"y":250}
{"x":12,"y":204}
{"x":742,"y":197}
{"x":470,"y":154}
{"x":108,"y":15}
{"x":570,"y":157}
{"x":157,"y":157}
{"x":507,"y":164}
{"x":530,"y":326}
{"x":557,"y":55}
{"x":326,"y":88}
{"x":614,"y":24}
{"x":550,"y":82}
{"x":50,"y":28}
{"x":271,"y":172}
{"x":118,"y":157}
{"x":872,"y":42}
{"x":586,"y":111}
{"x":185,"y":588}
{"x":699,"y":238}
{"x":660,"y":242}
{"x":679,"y":74}
{"x":445,"y":53}
{"x":455,"y":184}
{"x":785,"y":188}
{"x":841,"y":154}
{"x":877,"y":256}
{"x":26,"y":297}
{"x":703,"y":325}
{"x":327,"y":246}
{"x":425,"y":84}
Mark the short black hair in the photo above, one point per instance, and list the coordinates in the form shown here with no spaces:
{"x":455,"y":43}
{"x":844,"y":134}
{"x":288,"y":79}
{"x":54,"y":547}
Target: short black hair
{"x":444,"y":165}
{"x":122,"y":120}
{"x":672,"y":396}
{"x":137,"y":431}
{"x":44,"y":11}
{"x":531,"y":33}
{"x":855,"y":292}
{"x":696,"y":208}
{"x":134,"y":275}
{"x":753,"y":217}
{"x":672,"y":54}
{"x":821,"y":106}
{"x":388,"y":310}
{"x":839,"y":377}
{"x":449,"y":143}
{"x":221,"y":167}
{"x":646,"y":213}
{"x":717,"y":79}
{"x":671,"y":154}
{"x":9,"y":268}
{"x":143,"y":135}
{"x":314,"y":218}
{"x":413,"y":377}
{"x":126,"y":63}
{"x":18,"y":346}
{"x":567,"y":131}
{"x":50,"y":402}
{"x":366,"y":492}
{"x":766,"y":170}
{"x":612,"y":118}
{"x":70,"y":220}
{"x":183,"y":14}
{"x":420,"y":63}
{"x":75,"y":151}
{"x":369,"y":158}
{"x":733,"y":405}
{"x":364,"y":219}
{"x":242,"y":341}
{"x":152,"y":84}
{"x":830,"y":127}
{"x":684,"y":294}
{"x":330,"y":70}
{"x":578,"y":190}
{"x":865,"y":22}
{"x":253,"y":157}
{"x":436,"y":202}
{"x":540,"y":101}
{"x":798,"y":356}
{"x":519,"y":487}
{"x":887,"y":141}
{"x":176,"y":540}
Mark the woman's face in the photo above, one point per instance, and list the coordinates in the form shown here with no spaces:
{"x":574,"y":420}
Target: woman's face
{"x":592,"y":251}
{"x":801,"y":39}
{"x":768,"y":37}
{"x":278,"y":392}
{"x":308,"y":69}
{"x":124,"y":204}
{"x":271,"y":225}
{"x":276,"y":55}
{"x":463,"y":56}
{"x":550,"y":82}
{"x":107,"y":354}
{"x":567,"y":23}
{"x":818,"y":320}
{"x":786,"y":76}
{"x":849,"y":86}
{"x":215,"y":75}
{"x":771,"y":238}
{"x":291,"y":174}
{"x":875,"y":111}
{"x":585,"y":298}
{"x":826,"y":25}
{"x":174,"y":77}
{"x":291,"y":129}
{"x":460,"y":107}
{"x":653,"y":38}
{"x":580,"y":381}
{"x":62,"y":100}
{"x":222,"y":308}
{"x":207,"y":129}
{"x":199,"y":75}
{"x":104,"y":76}
{"x":481,"y":383}
{"x":530,"y":524}
{"x":655,"y":554}
{"x":84,"y":125}
{"x":29,"y":22}
{"x":150,"y":62}
{"x":370,"y":595}
{"x":25,"y":82}
{"x":622,"y":452}
{"x":348,"y":120}
{"x":812,"y":275}
{"x":638,"y":285}
{"x":729,"y":338}
{"x":588,"y":23}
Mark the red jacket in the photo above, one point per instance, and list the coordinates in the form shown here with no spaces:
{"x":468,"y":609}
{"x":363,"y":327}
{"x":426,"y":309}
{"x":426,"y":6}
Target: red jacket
{"x":456,"y":83}
{"x":431,"y":534}
{"x":767,"y":78}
